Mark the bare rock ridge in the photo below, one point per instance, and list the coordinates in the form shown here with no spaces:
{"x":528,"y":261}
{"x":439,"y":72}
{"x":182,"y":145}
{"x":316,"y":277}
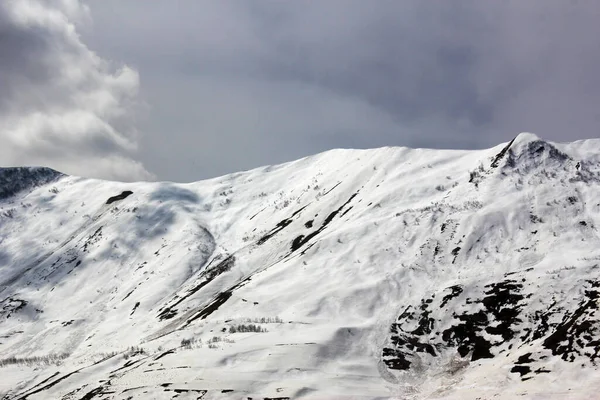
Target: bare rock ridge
{"x":383,"y":273}
{"x":13,"y":180}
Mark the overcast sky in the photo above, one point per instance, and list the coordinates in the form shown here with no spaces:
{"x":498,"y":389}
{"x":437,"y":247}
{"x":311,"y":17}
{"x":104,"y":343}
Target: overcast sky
{"x":189,"y":89}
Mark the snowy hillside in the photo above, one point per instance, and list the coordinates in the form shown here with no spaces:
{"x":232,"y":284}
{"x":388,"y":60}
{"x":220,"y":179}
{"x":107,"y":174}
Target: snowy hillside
{"x":386,"y":273}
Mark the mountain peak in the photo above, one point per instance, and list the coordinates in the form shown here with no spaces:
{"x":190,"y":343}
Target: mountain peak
{"x":373,"y":273}
{"x":526,"y":137}
{"x":527,"y":152}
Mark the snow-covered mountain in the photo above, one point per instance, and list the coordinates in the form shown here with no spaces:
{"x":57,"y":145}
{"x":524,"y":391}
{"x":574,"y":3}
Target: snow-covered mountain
{"x":386,"y":273}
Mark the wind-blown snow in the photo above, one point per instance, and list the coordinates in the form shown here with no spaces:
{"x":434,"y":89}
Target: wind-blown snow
{"x":387,"y":273}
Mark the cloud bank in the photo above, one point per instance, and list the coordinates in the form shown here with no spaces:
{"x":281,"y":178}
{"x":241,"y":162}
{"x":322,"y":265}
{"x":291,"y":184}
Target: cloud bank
{"x":238,"y":84}
{"x":232,"y":85}
{"x":61,"y":105}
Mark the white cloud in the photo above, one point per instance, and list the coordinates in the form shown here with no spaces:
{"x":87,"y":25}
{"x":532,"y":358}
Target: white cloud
{"x":61,"y":105}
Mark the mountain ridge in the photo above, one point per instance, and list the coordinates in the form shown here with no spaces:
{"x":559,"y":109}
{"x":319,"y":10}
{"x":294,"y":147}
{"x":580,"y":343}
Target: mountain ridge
{"x":393,"y":272}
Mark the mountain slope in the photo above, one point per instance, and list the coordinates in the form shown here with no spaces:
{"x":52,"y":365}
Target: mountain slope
{"x":351,"y":274}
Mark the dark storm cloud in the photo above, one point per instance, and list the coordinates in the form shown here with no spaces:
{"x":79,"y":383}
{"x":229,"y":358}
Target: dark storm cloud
{"x":60,"y":104}
{"x":466,"y":63}
{"x":381,"y":57}
{"x":238,"y":84}
{"x":20,"y":51}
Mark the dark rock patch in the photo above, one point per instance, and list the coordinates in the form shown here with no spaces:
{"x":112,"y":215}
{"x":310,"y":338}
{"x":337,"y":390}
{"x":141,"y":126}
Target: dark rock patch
{"x":454,"y":292}
{"x":11,"y":306}
{"x":496,"y":321}
{"x":45,"y":387}
{"x":119,"y":197}
{"x":330,"y":190}
{"x":209,"y":275}
{"x":301,"y":240}
{"x":279,"y":227}
{"x":521,"y":370}
{"x":99,"y":391}
{"x":165,"y":354}
{"x":128,"y":294}
{"x":93,"y":239}
{"x":524,"y":359}
{"x":501,"y":154}
{"x":15,"y":180}
{"x":212,"y":307}
{"x":575,"y":335}
{"x":137,"y":304}
{"x":128,"y":364}
{"x":466,"y":337}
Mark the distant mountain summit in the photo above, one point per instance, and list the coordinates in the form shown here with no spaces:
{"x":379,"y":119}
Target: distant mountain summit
{"x":383,"y":273}
{"x":14,"y":180}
